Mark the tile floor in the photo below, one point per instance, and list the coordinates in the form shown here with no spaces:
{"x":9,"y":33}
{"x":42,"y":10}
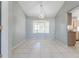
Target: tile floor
{"x":45,"y":49}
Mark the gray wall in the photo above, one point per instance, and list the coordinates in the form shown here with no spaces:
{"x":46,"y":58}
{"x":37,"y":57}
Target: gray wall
{"x":7,"y":29}
{"x":19,"y":24}
{"x":61,"y":20}
{"x":13,"y":30}
{"x":31,"y":35}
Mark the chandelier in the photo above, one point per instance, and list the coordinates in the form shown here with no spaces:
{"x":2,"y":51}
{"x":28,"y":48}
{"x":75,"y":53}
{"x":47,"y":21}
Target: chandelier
{"x":42,"y":11}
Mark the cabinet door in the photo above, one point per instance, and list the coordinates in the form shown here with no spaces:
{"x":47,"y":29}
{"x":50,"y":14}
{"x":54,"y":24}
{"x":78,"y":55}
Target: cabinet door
{"x":72,"y":38}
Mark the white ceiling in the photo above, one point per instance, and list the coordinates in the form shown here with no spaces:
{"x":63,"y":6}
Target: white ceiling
{"x":32,"y":8}
{"x":75,"y":12}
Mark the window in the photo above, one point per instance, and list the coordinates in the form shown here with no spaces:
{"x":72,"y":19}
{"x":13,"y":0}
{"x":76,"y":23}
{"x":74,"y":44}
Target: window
{"x":40,"y":26}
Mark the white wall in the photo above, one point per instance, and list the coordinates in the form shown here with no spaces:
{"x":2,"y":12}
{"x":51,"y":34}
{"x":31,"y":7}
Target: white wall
{"x":19,"y":24}
{"x":61,"y":20}
{"x":7,"y":29}
{"x":4,"y":37}
{"x":13,"y":27}
{"x":31,"y":35}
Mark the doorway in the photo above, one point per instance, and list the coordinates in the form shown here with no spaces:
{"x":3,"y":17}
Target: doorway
{"x":73,"y":27}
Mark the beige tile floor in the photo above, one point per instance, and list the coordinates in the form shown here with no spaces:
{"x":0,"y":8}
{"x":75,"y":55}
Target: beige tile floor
{"x":45,"y":49}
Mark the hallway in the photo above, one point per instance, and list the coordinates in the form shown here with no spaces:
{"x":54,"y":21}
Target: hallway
{"x":37,"y":29}
{"x":36,"y":48}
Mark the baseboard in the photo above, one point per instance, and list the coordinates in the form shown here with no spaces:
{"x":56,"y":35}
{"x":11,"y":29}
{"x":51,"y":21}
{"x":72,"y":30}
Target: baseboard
{"x":64,"y":42}
{"x":19,"y":43}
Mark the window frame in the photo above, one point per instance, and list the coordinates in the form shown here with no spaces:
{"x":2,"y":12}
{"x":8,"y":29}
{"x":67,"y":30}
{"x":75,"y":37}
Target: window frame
{"x":45,"y":26}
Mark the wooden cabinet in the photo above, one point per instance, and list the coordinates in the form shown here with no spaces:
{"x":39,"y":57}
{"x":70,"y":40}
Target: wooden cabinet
{"x":71,"y":38}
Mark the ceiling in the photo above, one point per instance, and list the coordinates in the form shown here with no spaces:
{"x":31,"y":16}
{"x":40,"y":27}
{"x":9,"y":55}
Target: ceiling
{"x":75,"y":12}
{"x":32,"y":8}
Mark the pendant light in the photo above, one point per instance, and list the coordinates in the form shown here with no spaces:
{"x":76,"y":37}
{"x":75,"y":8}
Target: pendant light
{"x":42,"y":11}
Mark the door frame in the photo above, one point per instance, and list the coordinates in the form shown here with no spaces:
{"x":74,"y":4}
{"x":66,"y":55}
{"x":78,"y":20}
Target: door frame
{"x":69,"y":21}
{"x":71,"y":34}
